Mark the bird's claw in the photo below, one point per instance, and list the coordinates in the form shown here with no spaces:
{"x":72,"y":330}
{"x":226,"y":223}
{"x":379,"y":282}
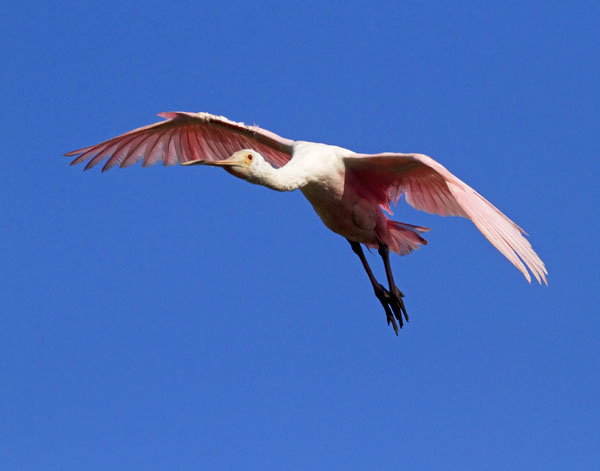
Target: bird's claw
{"x":393,"y":305}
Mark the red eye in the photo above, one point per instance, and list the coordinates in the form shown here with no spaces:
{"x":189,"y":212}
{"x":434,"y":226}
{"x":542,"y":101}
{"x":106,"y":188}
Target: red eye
{"x":250,"y":157}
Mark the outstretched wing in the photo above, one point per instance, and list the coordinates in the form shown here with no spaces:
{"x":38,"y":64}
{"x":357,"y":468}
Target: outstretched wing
{"x":184,"y":137}
{"x":429,"y":186}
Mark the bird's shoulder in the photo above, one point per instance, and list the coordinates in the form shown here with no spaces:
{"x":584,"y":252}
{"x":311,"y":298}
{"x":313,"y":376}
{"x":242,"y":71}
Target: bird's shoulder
{"x":319,"y":163}
{"x":306,"y":150}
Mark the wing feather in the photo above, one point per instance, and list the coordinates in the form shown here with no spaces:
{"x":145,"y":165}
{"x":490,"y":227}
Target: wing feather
{"x":154,"y":154}
{"x":183,"y":137}
{"x":430,"y":187}
{"x":143,"y":148}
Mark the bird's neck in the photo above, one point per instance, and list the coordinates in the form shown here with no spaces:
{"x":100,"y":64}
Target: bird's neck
{"x":285,"y":178}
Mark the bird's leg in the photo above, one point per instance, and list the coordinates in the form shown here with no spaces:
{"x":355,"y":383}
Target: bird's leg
{"x":397,"y":295}
{"x":385,"y":297}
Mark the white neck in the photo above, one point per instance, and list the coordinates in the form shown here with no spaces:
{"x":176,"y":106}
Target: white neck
{"x":285,"y":178}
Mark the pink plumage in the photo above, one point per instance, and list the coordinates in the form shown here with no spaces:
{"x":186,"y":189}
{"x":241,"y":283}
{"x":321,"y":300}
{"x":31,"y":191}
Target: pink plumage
{"x":429,"y":186}
{"x":184,"y":137}
{"x":349,"y":191}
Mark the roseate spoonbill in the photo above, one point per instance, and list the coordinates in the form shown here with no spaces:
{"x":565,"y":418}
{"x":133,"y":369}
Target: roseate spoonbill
{"x":349,"y":191}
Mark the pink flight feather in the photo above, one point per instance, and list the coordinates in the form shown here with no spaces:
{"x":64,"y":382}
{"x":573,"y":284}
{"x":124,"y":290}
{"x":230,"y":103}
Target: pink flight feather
{"x":429,"y":186}
{"x":185,"y":137}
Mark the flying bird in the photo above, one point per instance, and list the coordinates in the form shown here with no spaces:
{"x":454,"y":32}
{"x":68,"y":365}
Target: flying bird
{"x":350,"y":192}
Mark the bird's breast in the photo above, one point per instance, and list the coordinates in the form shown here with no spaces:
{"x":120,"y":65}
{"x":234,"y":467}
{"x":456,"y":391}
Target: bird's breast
{"x":342,"y":212}
{"x":337,"y":204}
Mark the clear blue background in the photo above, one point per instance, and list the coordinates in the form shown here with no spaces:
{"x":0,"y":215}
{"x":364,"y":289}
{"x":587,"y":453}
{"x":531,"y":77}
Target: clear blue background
{"x":179,"y":318}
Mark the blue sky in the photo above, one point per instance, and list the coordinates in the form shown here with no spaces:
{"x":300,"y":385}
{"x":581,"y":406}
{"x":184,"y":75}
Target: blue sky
{"x":179,"y":318}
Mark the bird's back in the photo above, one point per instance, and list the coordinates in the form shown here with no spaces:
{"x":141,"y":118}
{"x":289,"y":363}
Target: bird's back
{"x":320,"y":163}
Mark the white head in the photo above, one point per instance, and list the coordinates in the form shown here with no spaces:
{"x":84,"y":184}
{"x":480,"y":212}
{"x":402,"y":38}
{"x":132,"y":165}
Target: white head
{"x":249,"y":165}
{"x":246,"y":164}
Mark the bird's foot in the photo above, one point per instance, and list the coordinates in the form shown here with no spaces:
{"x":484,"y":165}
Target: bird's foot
{"x":393,"y":304}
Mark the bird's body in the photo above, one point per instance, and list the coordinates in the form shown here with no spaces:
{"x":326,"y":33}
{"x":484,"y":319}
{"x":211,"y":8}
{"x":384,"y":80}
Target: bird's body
{"x":335,"y":197}
{"x":322,"y":173}
{"x":349,"y":191}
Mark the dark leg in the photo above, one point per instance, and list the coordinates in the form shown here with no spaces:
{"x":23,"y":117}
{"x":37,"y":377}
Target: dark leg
{"x":392,"y":303}
{"x":398,"y":304}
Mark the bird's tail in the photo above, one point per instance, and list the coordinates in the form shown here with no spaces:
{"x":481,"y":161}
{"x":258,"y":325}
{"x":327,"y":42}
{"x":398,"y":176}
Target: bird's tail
{"x":404,"y":238}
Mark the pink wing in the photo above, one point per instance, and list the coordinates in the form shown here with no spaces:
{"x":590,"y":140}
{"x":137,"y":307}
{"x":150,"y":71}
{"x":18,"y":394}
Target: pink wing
{"x":428,"y":186}
{"x":184,"y":137}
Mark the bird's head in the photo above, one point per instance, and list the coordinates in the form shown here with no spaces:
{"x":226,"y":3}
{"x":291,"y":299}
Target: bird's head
{"x":246,"y":164}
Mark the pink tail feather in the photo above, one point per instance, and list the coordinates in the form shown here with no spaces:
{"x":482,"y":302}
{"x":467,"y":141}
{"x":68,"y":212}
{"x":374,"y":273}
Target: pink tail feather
{"x":403,"y":238}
